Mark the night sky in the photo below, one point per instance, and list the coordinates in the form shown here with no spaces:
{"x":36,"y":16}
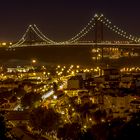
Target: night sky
{"x":61,"y":19}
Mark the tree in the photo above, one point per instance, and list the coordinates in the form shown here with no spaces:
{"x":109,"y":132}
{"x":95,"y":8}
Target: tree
{"x":3,"y":129}
{"x":45,"y":120}
{"x":19,"y":92}
{"x":130,"y":130}
{"x":87,"y":135}
{"x":13,"y":99}
{"x":29,"y":99}
{"x":55,"y":86}
{"x":99,"y":115}
{"x":86,"y":111}
{"x":69,"y":131}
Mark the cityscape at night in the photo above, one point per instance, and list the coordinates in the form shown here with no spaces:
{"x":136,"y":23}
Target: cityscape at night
{"x":70,"y":70}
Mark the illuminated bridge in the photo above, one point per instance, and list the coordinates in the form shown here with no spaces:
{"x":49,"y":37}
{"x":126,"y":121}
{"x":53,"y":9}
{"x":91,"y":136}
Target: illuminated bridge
{"x":34,"y":37}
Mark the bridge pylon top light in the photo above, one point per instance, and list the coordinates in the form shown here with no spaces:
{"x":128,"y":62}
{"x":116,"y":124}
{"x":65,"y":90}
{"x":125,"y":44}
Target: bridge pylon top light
{"x":96,"y":15}
{"x":102,"y":15}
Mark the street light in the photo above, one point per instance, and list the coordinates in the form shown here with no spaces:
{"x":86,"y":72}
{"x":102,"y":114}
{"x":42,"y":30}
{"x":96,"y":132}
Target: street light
{"x":33,"y":61}
{"x":55,"y":97}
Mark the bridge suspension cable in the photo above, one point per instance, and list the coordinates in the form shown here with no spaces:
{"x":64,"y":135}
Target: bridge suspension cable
{"x":91,"y":24}
{"x":39,"y":35}
{"x":42,"y":35}
{"x":117,"y":30}
{"x":83,"y":32}
{"x":37,"y":32}
{"x":22,"y":40}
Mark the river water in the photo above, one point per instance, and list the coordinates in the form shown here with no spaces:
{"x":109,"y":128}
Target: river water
{"x":86,"y":56}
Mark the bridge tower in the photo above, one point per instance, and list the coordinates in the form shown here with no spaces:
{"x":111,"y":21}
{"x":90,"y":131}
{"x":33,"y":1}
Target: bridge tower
{"x":99,"y":37}
{"x":31,"y":36}
{"x":98,"y":30}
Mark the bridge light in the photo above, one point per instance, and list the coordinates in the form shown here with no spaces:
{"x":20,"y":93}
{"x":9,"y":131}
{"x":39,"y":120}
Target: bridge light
{"x":102,"y":15}
{"x":96,"y":15}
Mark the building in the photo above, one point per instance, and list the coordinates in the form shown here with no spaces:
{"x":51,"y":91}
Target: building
{"x":75,"y":82}
{"x":111,"y":74}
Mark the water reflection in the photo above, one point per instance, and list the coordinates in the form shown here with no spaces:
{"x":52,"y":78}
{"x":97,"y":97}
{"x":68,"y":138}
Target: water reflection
{"x":113,"y":53}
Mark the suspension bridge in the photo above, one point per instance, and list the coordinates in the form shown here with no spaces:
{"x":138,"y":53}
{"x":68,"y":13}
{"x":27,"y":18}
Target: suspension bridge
{"x":34,"y":37}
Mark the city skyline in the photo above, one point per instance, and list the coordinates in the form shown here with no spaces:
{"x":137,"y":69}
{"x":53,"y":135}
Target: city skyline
{"x":69,"y":69}
{"x":62,"y":20}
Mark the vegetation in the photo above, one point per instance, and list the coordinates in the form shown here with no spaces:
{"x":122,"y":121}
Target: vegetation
{"x":5,"y":133}
{"x":45,"y":120}
{"x":29,"y":100}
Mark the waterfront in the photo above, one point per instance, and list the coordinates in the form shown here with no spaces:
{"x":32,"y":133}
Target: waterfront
{"x":86,"y":56}
{"x":69,"y":70}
